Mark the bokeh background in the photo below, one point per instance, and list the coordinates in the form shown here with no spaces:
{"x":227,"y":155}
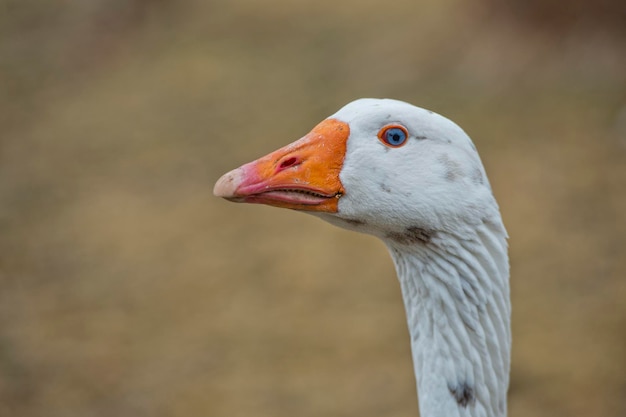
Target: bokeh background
{"x":127,"y":289}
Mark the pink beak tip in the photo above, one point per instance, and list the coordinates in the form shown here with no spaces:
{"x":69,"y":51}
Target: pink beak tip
{"x":228,"y":183}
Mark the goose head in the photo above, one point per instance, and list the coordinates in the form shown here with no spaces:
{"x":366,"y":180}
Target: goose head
{"x":378,"y":166}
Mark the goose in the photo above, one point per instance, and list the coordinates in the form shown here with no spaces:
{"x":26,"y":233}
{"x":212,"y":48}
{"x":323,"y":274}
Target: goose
{"x":414,"y":179}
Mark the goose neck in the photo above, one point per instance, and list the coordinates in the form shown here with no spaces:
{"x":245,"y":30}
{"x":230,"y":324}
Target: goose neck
{"x":456,"y":294}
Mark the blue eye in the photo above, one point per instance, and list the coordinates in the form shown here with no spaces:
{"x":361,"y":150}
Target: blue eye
{"x":393,"y":136}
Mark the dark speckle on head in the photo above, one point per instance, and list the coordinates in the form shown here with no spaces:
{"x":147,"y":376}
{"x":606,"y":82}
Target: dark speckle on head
{"x":385,"y":187}
{"x":462,"y":393}
{"x":412,"y":235}
{"x":420,"y":137}
{"x":453,"y":169}
{"x":477,"y":176}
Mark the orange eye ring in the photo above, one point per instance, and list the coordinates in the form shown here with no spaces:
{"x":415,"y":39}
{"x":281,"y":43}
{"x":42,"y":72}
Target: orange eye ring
{"x":393,"y":135}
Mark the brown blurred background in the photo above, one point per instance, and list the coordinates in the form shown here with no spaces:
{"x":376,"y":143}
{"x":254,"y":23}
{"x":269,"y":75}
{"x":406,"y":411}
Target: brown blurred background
{"x":126,"y":289}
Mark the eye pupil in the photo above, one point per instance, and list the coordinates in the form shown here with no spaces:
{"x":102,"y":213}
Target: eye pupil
{"x":395,"y":136}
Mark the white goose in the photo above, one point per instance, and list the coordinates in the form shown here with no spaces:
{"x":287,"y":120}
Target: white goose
{"x":414,"y":179}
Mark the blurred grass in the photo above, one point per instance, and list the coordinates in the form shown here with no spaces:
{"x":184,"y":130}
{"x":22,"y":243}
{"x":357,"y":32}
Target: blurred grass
{"x":127,"y":289}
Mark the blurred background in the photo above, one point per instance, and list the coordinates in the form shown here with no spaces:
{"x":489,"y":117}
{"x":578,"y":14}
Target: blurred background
{"x":127,"y":289}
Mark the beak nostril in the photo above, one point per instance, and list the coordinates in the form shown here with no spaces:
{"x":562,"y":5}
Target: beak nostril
{"x":289,"y":162}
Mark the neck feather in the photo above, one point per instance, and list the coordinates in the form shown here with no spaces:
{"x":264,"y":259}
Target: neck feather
{"x":456,"y":294}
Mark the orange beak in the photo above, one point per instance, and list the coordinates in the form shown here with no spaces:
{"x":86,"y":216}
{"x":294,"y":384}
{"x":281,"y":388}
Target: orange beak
{"x":303,"y":175}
